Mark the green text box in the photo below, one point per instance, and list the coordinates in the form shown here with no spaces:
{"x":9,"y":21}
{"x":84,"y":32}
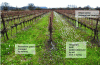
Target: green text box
{"x":24,"y":48}
{"x":75,"y":49}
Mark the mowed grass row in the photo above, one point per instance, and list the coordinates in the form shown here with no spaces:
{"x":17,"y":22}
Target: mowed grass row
{"x":63,"y":32}
{"x":37,"y":34}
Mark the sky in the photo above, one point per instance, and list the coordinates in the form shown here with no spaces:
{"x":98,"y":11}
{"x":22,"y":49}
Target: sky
{"x":53,"y":3}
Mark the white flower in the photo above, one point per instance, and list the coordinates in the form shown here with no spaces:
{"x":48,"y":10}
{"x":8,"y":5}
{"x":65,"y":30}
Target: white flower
{"x":7,"y":48}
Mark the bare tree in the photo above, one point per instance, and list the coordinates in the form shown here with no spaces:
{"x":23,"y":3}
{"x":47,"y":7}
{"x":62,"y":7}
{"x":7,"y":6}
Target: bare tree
{"x":5,"y":6}
{"x":97,"y":8}
{"x":31,"y":6}
{"x":87,"y":7}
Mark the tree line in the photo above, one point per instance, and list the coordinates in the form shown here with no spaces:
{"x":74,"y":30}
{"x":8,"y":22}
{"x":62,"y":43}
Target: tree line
{"x":5,"y":6}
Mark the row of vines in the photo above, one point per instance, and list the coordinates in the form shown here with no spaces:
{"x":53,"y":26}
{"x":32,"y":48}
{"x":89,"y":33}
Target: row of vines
{"x":90,"y":23}
{"x":10,"y":20}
